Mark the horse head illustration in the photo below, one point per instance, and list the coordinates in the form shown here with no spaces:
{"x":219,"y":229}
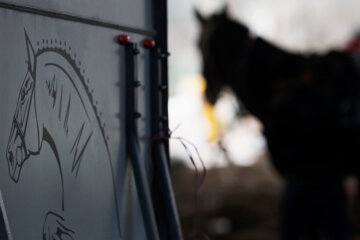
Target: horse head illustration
{"x":56,"y":109}
{"x":24,"y":130}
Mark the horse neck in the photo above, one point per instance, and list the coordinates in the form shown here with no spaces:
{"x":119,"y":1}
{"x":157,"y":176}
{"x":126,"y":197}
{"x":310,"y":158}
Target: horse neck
{"x":62,"y":105}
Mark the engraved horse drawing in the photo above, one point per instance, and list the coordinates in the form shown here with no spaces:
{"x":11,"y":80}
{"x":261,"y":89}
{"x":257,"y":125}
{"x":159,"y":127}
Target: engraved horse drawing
{"x":55,"y":109}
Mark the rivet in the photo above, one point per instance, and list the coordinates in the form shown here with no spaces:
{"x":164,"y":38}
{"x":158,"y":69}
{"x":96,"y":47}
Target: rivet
{"x":149,"y":43}
{"x":124,"y":39}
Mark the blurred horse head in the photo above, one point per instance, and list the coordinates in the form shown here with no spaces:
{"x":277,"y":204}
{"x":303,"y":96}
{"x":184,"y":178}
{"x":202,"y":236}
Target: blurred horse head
{"x":223,"y":45}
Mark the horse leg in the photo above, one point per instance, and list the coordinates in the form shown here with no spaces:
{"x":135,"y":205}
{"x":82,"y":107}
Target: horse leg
{"x":54,"y":228}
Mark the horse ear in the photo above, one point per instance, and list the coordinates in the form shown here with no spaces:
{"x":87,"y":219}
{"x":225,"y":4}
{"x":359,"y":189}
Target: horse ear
{"x":199,"y":17}
{"x":30,"y":53}
{"x":224,"y":11}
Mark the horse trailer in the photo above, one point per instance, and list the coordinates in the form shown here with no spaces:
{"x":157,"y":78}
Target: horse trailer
{"x":83,"y":99}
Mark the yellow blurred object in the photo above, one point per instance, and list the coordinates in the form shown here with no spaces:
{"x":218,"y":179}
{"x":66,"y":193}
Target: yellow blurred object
{"x":209,"y":111}
{"x":210,"y":115}
{"x":194,"y":84}
{"x":201,"y":84}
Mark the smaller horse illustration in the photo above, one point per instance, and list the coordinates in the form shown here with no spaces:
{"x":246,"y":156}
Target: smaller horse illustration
{"x":55,"y":109}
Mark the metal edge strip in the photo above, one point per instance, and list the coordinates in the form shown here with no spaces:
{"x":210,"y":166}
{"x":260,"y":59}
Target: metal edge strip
{"x":6,"y":221}
{"x":65,"y":16}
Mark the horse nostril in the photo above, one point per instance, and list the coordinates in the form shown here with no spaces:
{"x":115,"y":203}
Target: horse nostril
{"x":10,"y":157}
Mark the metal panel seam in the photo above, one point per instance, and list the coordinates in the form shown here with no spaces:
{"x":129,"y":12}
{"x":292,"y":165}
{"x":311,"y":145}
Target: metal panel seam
{"x":65,"y":16}
{"x":6,"y":221}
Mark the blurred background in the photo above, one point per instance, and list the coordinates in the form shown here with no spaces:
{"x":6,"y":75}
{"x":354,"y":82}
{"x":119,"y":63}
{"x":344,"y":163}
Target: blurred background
{"x":240,"y":195}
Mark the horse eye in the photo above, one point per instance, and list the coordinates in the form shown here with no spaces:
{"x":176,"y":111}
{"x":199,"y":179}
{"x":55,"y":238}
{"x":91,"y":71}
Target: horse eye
{"x":22,"y":94}
{"x":27,"y":82}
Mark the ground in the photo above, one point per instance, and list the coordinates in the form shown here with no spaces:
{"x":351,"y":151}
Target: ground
{"x":240,"y":203}
{"x":234,"y":202}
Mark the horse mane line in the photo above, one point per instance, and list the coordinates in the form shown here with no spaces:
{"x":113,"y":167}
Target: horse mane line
{"x":72,"y":62}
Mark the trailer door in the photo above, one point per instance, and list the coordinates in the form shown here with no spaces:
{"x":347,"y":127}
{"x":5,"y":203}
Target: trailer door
{"x":82,"y":100}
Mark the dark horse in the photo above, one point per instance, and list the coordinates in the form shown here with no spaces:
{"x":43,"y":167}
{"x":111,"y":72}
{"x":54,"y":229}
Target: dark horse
{"x":308,"y":104}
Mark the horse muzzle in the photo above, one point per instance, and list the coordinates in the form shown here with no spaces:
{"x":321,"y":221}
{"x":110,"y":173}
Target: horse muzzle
{"x":16,"y":153}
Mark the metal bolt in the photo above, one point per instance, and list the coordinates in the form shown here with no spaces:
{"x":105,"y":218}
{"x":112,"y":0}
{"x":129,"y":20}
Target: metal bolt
{"x":164,"y":55}
{"x":137,"y":83}
{"x":162,"y":87}
{"x":136,"y":51}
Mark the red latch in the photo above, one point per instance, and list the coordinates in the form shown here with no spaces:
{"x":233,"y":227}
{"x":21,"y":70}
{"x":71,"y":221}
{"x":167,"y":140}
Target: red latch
{"x":124,"y":39}
{"x":149,"y":43}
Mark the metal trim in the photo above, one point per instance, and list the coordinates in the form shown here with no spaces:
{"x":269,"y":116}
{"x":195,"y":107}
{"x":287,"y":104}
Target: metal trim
{"x":5,"y":218}
{"x":133,"y":148}
{"x":68,"y":17}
